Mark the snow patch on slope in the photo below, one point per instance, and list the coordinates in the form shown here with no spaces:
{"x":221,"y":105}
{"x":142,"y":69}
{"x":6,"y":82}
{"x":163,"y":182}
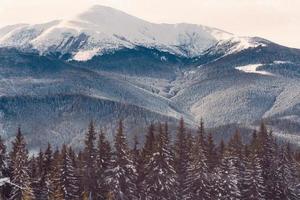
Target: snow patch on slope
{"x":85,"y":55}
{"x":253,"y":69}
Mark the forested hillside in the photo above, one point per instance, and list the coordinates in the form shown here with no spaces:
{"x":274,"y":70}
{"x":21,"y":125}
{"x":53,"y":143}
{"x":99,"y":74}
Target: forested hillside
{"x":190,"y":166}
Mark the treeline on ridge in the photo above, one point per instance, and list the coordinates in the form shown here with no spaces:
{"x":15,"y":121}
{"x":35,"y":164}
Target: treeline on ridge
{"x":192,"y":167}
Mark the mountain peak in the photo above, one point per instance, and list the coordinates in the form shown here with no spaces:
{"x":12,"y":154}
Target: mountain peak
{"x":99,"y":14}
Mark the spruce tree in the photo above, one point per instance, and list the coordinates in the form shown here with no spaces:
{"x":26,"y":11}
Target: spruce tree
{"x":182,"y":161}
{"x":20,"y":174}
{"x":149,"y":146}
{"x":253,"y":182}
{"x":160,"y":174}
{"x":285,"y":178}
{"x":228,"y":181}
{"x":103,"y":158}
{"x":4,"y":171}
{"x":140,"y":168}
{"x":55,"y":180}
{"x":121,"y":177}
{"x":48,"y":169}
{"x":267,"y":155}
{"x":199,"y":180}
{"x":235,"y":147}
{"x":212,"y":156}
{"x":40,"y":188}
{"x":90,"y":183}
{"x":69,"y":180}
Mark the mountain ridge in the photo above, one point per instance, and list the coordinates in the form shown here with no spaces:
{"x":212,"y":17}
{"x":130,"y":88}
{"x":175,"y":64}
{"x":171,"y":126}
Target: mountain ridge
{"x":163,"y":72}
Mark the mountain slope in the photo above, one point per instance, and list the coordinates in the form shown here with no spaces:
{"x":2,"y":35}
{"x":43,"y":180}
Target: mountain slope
{"x":105,"y":64}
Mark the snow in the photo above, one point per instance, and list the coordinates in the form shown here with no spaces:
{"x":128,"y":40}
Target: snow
{"x":282,"y":62}
{"x":253,"y":69}
{"x":110,"y":29}
{"x":3,"y":181}
{"x":85,"y":55}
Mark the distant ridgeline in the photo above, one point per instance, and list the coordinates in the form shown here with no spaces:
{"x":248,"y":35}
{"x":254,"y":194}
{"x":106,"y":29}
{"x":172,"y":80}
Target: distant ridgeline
{"x":190,"y":167}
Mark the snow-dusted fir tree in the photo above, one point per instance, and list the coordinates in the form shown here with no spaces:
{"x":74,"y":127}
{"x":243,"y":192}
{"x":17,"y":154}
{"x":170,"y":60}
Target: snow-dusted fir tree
{"x":40,"y":187}
{"x":199,"y":181}
{"x":267,"y":155}
{"x":56,"y":183}
{"x":103,"y":157}
{"x":121,"y":176}
{"x":149,"y":146}
{"x":48,"y":168}
{"x":160,"y":174}
{"x":182,"y":161}
{"x":253,"y":182}
{"x":286,"y":178}
{"x":20,"y":169}
{"x":89,"y":168}
{"x":69,"y":179}
{"x":228,"y":179}
{"x":211,"y":153}
{"x":140,"y":168}
{"x":4,"y":172}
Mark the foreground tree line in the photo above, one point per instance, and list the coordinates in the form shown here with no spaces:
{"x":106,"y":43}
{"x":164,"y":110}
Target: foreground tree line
{"x":192,"y":167}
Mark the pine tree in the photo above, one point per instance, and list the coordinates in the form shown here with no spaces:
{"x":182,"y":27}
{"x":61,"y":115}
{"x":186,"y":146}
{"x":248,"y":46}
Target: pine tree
{"x":285,"y":178}
{"x":40,"y":187}
{"x":212,"y":156}
{"x":121,"y":177}
{"x":69,"y":180}
{"x":199,"y":180}
{"x":20,"y":169}
{"x":235,"y":148}
{"x":182,"y":161}
{"x":103,"y":158}
{"x":48,"y":168}
{"x":140,"y":168}
{"x":4,"y":171}
{"x":253,"y":182}
{"x":228,"y":181}
{"x":149,"y":146}
{"x":160,"y":174}
{"x":56,"y":184}
{"x":267,"y":155}
{"x":90,"y":182}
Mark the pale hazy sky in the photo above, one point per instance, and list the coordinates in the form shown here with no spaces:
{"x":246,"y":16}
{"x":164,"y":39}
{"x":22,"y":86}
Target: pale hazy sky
{"x":277,"y":20}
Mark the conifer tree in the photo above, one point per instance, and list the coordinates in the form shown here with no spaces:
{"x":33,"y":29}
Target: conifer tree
{"x":69,"y":180}
{"x":267,"y":153}
{"x":182,"y":160}
{"x":160,"y":174}
{"x":228,"y":181}
{"x":253,"y":182}
{"x":48,"y":168}
{"x":20,"y":174}
{"x":285,"y":178}
{"x":4,"y":171}
{"x":103,"y":158}
{"x":235,"y":149}
{"x":121,"y":177}
{"x":56,"y":184}
{"x":40,"y":188}
{"x":90,"y":183}
{"x":140,"y":168}
{"x":212,"y":156}
{"x":199,"y":180}
{"x":149,"y":146}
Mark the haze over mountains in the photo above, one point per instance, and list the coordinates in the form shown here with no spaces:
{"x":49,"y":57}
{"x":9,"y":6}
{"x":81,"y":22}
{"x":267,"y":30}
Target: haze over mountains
{"x":105,"y":64}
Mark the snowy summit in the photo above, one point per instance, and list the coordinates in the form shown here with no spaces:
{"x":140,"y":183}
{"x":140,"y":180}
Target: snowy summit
{"x":101,"y":29}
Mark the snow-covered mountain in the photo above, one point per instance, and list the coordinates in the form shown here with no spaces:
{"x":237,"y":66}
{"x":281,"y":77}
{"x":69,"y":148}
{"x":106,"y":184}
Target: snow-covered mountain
{"x":102,"y":29}
{"x":105,"y":64}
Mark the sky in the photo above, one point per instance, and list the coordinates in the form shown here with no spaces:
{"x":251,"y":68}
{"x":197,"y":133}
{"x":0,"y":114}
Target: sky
{"x":276,"y":20}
